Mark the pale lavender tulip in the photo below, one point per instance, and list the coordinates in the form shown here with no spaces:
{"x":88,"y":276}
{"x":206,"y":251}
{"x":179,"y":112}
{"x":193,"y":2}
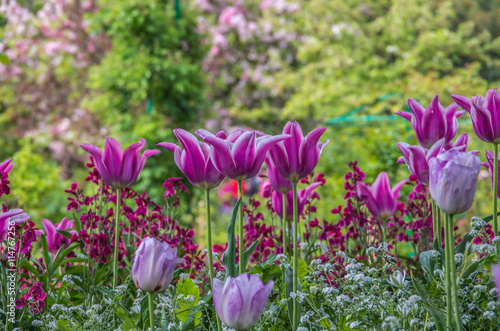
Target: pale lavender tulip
{"x":240,"y":301}
{"x":194,"y":161}
{"x":239,"y":155}
{"x":417,"y":158}
{"x":119,"y":168}
{"x":15,"y":215}
{"x":277,"y":181}
{"x":381,"y":199}
{"x":302,"y":196}
{"x":433,"y":123}
{"x":485,"y":114}
{"x":56,"y":240}
{"x":453,"y":180}
{"x":495,"y":269}
{"x":297,"y":157}
{"x":491,"y":165}
{"x":154,"y":265}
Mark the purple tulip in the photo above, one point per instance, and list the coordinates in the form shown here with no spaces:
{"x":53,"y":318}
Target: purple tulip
{"x":453,"y":180}
{"x":297,"y":157}
{"x":194,"y":161}
{"x":491,"y":165}
{"x":433,"y":123}
{"x":381,"y":200}
{"x":240,"y":301}
{"x":5,"y":166}
{"x":119,"y":168}
{"x":15,"y":215}
{"x":154,"y":265}
{"x":495,"y":269}
{"x":417,"y":158}
{"x":240,"y":154}
{"x":277,"y":181}
{"x":485,"y":114}
{"x":55,"y":240}
{"x":302,"y":196}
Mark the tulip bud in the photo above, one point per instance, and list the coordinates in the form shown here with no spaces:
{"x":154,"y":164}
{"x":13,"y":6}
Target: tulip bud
{"x":381,"y":200}
{"x":119,"y":168}
{"x":485,"y":114}
{"x":154,"y":265}
{"x":240,"y":301}
{"x":453,"y":180}
{"x":194,"y":161}
{"x":239,"y":155}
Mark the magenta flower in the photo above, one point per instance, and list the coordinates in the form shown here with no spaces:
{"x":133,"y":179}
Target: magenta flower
{"x":490,"y":165}
{"x":277,"y":181}
{"x":56,"y":240}
{"x":16,"y":216}
{"x":5,"y":167}
{"x":154,"y":265}
{"x":485,"y":114}
{"x":297,"y":157}
{"x":417,"y":158}
{"x":381,"y":200}
{"x":119,"y":168}
{"x":239,"y":155}
{"x":302,"y":196}
{"x":194,"y":161}
{"x":240,"y":301}
{"x":453,"y":180}
{"x":433,"y":123}
{"x":495,"y":269}
{"x":34,"y":299}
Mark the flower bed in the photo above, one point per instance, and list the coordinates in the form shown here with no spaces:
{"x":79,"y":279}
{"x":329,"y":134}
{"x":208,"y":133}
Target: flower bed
{"x":120,"y":260}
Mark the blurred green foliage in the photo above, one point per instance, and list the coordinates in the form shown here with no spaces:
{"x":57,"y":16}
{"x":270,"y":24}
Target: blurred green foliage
{"x":362,"y":55}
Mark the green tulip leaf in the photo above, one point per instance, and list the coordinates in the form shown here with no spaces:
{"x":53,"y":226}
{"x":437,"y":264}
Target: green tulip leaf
{"x":229,"y":257}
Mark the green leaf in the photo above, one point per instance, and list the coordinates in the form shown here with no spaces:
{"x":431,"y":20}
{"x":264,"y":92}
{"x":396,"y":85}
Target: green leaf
{"x":65,"y":233}
{"x":437,"y":315}
{"x":460,"y":248}
{"x":249,"y":251}
{"x":490,"y":217}
{"x":31,"y":268}
{"x":470,"y":270}
{"x":186,"y":287}
{"x":61,"y":255}
{"x":64,"y":325}
{"x":427,"y":260}
{"x":229,"y":257}
{"x":288,"y":290}
{"x":128,"y":322}
{"x":4,"y":59}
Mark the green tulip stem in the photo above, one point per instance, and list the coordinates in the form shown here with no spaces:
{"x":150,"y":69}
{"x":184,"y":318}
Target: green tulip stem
{"x":117,"y":238}
{"x":447,"y":246}
{"x":242,"y":240}
{"x":453,"y":273}
{"x":209,"y":244}
{"x":435,"y":222}
{"x":295,"y":254}
{"x":495,"y":193}
{"x":283,"y":225}
{"x":151,"y":311}
{"x":439,"y":225}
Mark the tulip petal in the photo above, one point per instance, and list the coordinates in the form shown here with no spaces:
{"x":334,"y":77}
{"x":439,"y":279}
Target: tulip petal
{"x":259,"y":302}
{"x":462,"y":101}
{"x":101,"y":167}
{"x":112,"y":157}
